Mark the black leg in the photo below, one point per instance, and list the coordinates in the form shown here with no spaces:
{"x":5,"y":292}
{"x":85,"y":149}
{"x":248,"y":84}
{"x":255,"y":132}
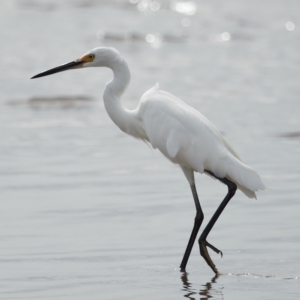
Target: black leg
{"x":198,"y":221}
{"x":203,"y":244}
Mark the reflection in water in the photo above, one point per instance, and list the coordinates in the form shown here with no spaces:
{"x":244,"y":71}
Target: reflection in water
{"x":207,"y":292}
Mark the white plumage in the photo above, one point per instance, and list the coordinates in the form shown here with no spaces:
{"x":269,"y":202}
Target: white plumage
{"x":181,"y":133}
{"x":190,"y":140}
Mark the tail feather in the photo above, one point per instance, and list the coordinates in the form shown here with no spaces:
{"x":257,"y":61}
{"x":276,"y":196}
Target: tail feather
{"x":247,"y":180}
{"x":249,"y":193}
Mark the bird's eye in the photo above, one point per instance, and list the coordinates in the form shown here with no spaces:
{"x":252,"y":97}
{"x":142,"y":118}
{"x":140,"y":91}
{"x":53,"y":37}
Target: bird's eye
{"x":92,"y":56}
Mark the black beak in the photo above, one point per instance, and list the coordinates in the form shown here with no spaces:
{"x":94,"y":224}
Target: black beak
{"x":65,"y":67}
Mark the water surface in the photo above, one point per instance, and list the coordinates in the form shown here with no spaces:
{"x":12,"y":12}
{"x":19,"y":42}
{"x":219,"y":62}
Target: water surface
{"x":90,"y":213}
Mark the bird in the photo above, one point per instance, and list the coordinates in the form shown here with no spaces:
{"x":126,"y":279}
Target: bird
{"x":180,"y":132}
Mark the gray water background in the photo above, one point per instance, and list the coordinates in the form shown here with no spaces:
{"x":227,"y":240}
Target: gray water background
{"x":90,"y":213}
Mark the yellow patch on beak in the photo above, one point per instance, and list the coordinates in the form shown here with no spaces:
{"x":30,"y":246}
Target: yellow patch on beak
{"x":87,"y":58}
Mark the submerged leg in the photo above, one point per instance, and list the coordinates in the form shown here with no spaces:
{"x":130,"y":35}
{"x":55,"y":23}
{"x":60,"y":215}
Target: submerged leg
{"x":203,"y":244}
{"x":198,"y":221}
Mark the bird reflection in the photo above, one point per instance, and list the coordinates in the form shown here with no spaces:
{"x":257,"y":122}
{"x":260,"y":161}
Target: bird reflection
{"x":205,"y":292}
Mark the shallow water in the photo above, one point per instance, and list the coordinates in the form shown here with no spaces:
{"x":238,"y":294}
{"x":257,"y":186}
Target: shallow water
{"x":88,"y":212}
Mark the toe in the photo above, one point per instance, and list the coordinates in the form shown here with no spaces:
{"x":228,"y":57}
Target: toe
{"x":204,"y":253}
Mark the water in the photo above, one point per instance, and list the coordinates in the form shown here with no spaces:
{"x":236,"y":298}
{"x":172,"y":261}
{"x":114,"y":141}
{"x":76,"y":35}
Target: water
{"x":90,"y":213}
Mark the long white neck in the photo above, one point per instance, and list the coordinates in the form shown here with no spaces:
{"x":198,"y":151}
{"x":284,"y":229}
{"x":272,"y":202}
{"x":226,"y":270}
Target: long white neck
{"x":121,"y":116}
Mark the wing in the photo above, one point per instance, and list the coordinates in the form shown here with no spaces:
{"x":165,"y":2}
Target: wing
{"x":180,"y":132}
{"x":187,"y":138}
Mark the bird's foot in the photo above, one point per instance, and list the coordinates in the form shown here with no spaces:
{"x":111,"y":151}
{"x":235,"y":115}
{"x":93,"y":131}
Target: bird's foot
{"x":203,"y":244}
{"x":213,"y":248}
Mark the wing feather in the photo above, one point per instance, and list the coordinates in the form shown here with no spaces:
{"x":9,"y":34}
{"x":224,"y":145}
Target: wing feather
{"x":187,"y":138}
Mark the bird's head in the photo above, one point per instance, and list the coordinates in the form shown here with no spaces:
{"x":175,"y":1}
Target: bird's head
{"x":98,"y":57}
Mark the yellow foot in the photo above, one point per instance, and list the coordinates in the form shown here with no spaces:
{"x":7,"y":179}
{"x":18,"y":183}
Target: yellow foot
{"x":214,"y":248}
{"x":204,"y":253}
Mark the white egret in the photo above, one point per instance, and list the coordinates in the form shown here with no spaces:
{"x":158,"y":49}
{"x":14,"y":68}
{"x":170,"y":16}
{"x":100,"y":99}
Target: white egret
{"x":181,"y":134}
